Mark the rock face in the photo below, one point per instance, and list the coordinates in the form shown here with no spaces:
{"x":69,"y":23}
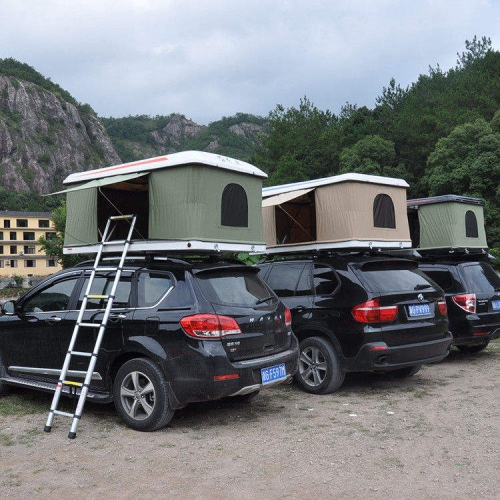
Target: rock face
{"x":44,"y":138}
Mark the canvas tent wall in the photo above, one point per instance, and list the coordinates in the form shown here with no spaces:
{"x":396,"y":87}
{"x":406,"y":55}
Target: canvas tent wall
{"x":448,"y":221}
{"x":185,"y":201}
{"x":344,"y":211}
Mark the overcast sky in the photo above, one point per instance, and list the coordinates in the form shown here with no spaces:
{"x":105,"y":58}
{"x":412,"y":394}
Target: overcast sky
{"x":207,"y":59}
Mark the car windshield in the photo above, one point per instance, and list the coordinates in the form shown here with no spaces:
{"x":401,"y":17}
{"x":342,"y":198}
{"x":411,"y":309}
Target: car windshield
{"x":391,"y":280}
{"x":481,"y":278}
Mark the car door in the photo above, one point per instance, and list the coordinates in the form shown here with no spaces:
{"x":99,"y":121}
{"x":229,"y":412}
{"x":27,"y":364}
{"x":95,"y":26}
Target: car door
{"x":30,"y":339}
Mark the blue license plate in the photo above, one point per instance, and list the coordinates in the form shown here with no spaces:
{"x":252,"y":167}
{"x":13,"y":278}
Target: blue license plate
{"x":495,"y":305}
{"x":419,"y":309}
{"x":273,"y":373}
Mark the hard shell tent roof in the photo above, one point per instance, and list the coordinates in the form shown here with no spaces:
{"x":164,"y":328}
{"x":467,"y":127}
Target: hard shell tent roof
{"x":447,"y":222}
{"x":341,"y":212}
{"x":191,"y":200}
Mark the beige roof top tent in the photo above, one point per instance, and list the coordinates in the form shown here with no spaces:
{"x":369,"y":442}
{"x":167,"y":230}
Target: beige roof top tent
{"x":349,"y":211}
{"x":184,"y":201}
{"x":448,"y":222}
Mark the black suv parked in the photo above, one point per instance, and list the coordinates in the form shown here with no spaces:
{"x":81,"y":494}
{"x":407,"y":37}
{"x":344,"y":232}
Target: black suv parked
{"x":179,"y":332}
{"x":473,"y":298}
{"x":358,"y":312}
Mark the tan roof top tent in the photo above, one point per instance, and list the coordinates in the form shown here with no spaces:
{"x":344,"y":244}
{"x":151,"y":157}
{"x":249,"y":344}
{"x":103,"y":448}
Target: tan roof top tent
{"x":447,"y":222}
{"x":349,"y":211}
{"x":191,"y":200}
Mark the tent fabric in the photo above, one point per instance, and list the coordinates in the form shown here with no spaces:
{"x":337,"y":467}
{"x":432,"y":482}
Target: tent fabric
{"x":81,"y":217}
{"x":443,"y":225}
{"x":279,"y":199}
{"x":104,"y":182}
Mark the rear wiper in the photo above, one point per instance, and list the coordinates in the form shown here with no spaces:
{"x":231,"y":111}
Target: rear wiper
{"x":265,"y":299}
{"x":422,"y":286}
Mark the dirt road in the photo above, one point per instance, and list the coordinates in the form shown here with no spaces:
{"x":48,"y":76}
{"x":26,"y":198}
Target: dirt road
{"x":435,"y":435}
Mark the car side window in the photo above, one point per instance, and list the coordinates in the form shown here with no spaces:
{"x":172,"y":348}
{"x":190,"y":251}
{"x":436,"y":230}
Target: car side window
{"x":325,"y":281}
{"x":152,"y":287}
{"x":442,"y":277}
{"x":283,"y":278}
{"x":101,"y":288}
{"x":53,"y":298}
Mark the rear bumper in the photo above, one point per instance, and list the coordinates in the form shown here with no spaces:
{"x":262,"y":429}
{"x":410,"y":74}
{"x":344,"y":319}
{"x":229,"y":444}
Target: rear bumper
{"x":478,"y":335}
{"x":378,"y":356}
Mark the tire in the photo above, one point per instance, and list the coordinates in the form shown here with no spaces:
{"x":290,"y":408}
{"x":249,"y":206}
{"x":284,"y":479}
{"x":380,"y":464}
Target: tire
{"x":407,"y":372}
{"x":140,"y":395}
{"x":319,"y":367}
{"x":472,"y":349}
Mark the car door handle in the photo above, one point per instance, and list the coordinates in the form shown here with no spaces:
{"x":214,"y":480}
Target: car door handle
{"x":117,"y":316}
{"x":53,"y":319}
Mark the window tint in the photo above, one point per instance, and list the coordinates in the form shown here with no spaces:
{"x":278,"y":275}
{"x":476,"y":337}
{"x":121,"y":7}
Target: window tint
{"x":283,"y":279}
{"x":232,"y":288}
{"x":53,"y":298}
{"x":151,"y":287}
{"x":325,"y":281}
{"x":234,"y":206}
{"x":101,"y":287}
{"x":383,"y":212}
{"x":304,"y":284}
{"x":393,"y":280}
{"x":471,"y":225}
{"x":481,"y":278}
{"x":442,"y":277}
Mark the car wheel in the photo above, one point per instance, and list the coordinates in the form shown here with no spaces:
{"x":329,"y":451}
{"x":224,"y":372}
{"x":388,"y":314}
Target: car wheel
{"x":319,"y":367}
{"x":140,"y":395}
{"x":409,"y":371}
{"x":471,"y":349}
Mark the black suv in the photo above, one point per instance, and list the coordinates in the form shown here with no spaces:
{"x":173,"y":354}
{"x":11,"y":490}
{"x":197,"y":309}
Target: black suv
{"x":472,"y":291}
{"x":179,"y":332}
{"x":357,"y":312}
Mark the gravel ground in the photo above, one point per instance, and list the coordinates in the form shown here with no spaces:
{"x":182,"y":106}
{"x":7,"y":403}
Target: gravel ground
{"x":432,"y":436}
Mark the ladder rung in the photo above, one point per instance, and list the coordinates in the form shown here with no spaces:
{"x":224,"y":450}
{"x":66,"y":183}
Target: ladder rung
{"x":118,"y":217}
{"x":98,"y":296}
{"x":114,"y":242}
{"x":70,"y":382}
{"x":81,"y":353}
{"x":106,"y":269}
{"x":91,"y":325}
{"x":64,"y":413}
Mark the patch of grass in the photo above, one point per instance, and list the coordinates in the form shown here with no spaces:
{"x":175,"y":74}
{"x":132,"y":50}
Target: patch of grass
{"x":24,"y":403}
{"x":6,"y":440}
{"x":29,"y":435}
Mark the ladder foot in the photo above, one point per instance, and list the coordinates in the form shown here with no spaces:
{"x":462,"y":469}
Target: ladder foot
{"x":47,"y":428}
{"x":72,"y":435}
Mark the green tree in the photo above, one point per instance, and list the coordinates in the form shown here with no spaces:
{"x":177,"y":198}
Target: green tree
{"x":467,"y":162}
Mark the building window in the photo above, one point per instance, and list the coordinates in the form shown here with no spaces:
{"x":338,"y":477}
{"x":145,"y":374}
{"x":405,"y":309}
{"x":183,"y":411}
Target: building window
{"x":50,"y":236}
{"x":234,"y":206}
{"x":2,"y":264}
{"x":6,"y":223}
{"x":30,"y":263}
{"x":29,"y":250}
{"x":13,"y":249}
{"x":13,"y":236}
{"x":51,"y":263}
{"x":43,"y":223}
{"x":12,"y":263}
{"x":471,"y":225}
{"x":28,"y":236}
{"x":22,"y":222}
{"x":1,"y":249}
{"x":1,"y":235}
{"x":383,"y":212}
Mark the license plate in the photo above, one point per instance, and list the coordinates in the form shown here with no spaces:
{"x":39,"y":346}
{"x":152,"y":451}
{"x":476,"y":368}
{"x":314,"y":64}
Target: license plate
{"x":419,"y":309}
{"x":495,"y":305}
{"x":273,"y":373}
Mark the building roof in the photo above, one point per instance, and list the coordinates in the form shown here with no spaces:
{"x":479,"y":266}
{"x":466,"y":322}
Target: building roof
{"x":9,"y":213}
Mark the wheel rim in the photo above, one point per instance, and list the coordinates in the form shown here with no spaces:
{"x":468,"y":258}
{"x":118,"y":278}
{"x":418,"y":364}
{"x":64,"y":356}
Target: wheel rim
{"x":137,"y":395}
{"x":312,"y":366}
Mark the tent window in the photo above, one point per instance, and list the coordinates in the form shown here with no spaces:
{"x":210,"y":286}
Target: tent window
{"x":383,"y":212}
{"x":471,"y":225}
{"x":234,"y":206}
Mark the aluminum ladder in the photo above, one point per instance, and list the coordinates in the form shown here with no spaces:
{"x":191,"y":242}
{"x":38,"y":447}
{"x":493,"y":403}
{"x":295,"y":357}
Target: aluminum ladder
{"x":84,"y":387}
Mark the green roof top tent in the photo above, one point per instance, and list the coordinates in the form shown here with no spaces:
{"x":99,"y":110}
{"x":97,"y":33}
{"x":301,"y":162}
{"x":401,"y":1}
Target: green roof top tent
{"x":349,"y":211}
{"x":184,"y":201}
{"x":447,"y":222}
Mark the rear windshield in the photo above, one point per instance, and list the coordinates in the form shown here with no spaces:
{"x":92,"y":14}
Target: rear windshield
{"x":234,"y":288}
{"x":394,"y":280}
{"x":481,"y":278}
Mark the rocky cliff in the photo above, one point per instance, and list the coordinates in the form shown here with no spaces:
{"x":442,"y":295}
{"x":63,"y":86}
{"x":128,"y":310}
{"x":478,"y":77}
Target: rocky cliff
{"x":44,"y":138}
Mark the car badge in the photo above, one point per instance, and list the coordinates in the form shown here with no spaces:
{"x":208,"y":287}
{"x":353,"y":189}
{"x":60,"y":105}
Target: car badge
{"x":420,"y":297}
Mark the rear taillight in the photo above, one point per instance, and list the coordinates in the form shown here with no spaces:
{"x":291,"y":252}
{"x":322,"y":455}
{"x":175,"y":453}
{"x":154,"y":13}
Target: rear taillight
{"x":467,"y":302}
{"x":372,"y":312}
{"x":442,"y":307}
{"x":288,"y":317}
{"x":209,"y":326}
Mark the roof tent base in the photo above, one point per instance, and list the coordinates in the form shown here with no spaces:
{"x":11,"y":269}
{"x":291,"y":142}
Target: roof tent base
{"x":343,"y":245}
{"x":168,"y":246}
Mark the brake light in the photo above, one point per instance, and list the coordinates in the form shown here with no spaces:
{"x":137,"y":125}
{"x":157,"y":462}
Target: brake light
{"x":209,"y":326}
{"x":467,"y":302}
{"x":443,"y":309}
{"x":288,"y":317}
{"x":372,"y":312}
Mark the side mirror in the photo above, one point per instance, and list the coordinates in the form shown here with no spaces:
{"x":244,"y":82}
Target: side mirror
{"x":9,"y":307}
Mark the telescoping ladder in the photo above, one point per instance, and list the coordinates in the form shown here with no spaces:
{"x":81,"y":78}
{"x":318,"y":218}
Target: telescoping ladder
{"x":84,"y":387}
